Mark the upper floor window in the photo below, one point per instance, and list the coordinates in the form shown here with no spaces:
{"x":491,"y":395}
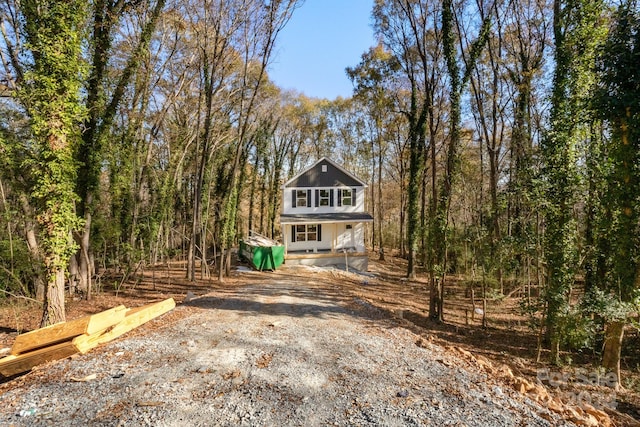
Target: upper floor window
{"x":324,"y":197}
{"x":347,"y":197}
{"x":301,"y":198}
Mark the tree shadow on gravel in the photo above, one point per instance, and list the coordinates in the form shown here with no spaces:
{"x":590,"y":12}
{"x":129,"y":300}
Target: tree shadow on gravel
{"x":294,"y":295}
{"x":300,"y":303}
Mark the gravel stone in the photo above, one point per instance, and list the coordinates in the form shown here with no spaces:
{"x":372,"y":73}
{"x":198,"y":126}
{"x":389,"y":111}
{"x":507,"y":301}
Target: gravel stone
{"x":276,"y":354}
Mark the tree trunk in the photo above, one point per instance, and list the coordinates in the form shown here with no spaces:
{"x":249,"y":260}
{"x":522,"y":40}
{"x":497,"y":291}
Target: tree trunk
{"x":9,"y":231}
{"x":457,"y":83}
{"x":196,"y":219}
{"x":274,"y":189}
{"x":221,"y":264}
{"x":612,"y":347}
{"x":424,"y":217}
{"x":433,"y":296}
{"x":73,"y":275}
{"x":204,"y":263}
{"x":403,"y":210}
{"x":85,"y":269}
{"x":441,"y":286}
{"x":417,"y":120}
{"x":54,"y":311}
{"x":191,"y":262}
{"x":374,"y":230}
{"x":434,"y":299}
{"x":34,"y":249}
{"x":380,"y":202}
{"x":102,"y":111}
{"x":495,"y":234}
{"x":252,"y":195}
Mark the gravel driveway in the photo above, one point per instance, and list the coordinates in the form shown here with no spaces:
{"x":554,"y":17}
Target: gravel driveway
{"x":282,"y":353}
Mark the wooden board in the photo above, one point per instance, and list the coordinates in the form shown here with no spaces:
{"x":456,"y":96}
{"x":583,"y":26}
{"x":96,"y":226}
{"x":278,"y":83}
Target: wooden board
{"x":62,"y":340}
{"x":65,"y":331}
{"x":134,"y":317}
{"x":12,"y":365}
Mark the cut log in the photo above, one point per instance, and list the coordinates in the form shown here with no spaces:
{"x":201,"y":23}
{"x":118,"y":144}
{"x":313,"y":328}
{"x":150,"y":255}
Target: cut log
{"x":133,"y":318}
{"x":12,"y":365}
{"x":65,"y":331}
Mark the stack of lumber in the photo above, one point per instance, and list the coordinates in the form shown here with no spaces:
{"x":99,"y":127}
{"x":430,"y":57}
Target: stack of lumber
{"x":77,"y":336}
{"x":258,"y":240}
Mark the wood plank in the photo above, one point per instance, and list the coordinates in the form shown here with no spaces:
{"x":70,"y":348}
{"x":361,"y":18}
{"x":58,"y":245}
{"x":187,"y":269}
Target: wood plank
{"x":133,"y":318}
{"x":65,"y":331}
{"x":12,"y":365}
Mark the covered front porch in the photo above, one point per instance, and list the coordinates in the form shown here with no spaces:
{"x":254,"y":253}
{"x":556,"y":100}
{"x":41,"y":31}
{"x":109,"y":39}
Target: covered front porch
{"x":326,"y":239}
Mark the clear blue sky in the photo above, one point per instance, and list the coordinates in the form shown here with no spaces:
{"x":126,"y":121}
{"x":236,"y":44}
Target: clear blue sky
{"x":322,"y":38}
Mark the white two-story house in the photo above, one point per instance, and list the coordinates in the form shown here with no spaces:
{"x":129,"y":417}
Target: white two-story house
{"x":323,"y":218}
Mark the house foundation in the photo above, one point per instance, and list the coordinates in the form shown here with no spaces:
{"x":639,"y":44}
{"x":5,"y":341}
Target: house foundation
{"x":357,"y":261}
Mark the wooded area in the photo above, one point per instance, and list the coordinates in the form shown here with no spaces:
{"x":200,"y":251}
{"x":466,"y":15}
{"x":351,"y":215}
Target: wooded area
{"x":500,"y":141}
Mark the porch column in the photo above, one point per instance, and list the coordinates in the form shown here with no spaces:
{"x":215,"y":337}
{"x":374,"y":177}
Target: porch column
{"x":285,"y":238}
{"x":334,"y":237}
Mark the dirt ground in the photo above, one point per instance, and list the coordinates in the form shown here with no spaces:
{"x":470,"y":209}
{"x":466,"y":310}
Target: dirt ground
{"x":504,"y":352}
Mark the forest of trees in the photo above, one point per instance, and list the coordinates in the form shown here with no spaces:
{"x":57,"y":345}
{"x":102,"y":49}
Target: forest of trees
{"x":500,"y":140}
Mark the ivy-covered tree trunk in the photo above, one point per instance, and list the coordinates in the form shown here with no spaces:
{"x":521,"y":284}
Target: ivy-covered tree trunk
{"x":439,"y":222}
{"x":597,"y":212}
{"x":619,"y":102}
{"x":417,"y":127}
{"x":280,"y":150}
{"x":457,"y":83}
{"x":558,"y":153}
{"x":380,"y":199}
{"x":626,"y":242}
{"x":575,"y":28}
{"x":101,"y":110}
{"x":521,"y":177}
{"x":266,"y":25}
{"x":434,"y":297}
{"x":51,"y":95}
{"x":525,"y":56}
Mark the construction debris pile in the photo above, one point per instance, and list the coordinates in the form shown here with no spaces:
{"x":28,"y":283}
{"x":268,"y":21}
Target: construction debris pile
{"x":77,"y":336}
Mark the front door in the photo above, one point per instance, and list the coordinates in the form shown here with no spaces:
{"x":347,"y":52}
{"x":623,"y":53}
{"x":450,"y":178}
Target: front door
{"x":350,"y":241}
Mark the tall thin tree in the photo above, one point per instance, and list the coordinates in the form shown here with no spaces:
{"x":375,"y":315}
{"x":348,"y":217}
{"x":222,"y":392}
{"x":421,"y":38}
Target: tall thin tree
{"x":51,"y":95}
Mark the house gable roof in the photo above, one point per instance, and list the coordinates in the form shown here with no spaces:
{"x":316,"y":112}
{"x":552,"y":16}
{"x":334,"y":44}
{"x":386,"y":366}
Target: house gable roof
{"x":335,"y":176}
